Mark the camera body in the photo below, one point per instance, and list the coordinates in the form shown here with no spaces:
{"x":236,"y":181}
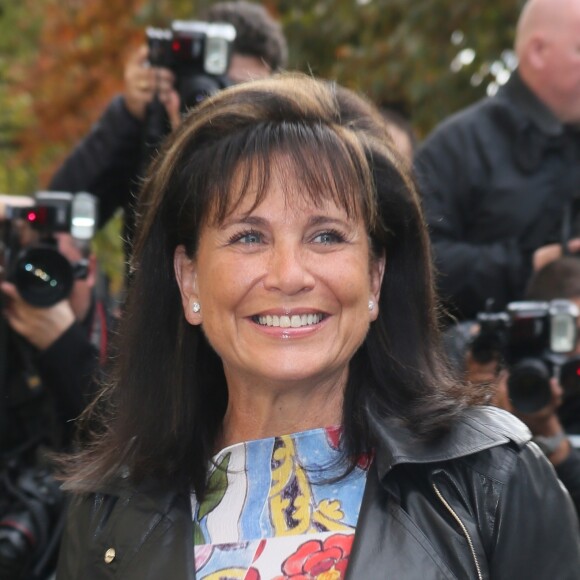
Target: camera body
{"x":31,"y":514}
{"x":535,"y":340}
{"x":42,"y":275}
{"x":197,"y":52}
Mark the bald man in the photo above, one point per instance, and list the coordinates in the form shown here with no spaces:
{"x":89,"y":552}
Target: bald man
{"x":497,"y":177}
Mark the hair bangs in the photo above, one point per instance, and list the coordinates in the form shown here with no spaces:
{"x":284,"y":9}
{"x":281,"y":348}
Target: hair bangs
{"x":310,"y":161}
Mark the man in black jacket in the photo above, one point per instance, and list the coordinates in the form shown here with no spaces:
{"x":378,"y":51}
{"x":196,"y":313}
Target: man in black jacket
{"x":50,"y":362}
{"x":52,"y":358}
{"x":497,"y":176}
{"x":109,"y":160}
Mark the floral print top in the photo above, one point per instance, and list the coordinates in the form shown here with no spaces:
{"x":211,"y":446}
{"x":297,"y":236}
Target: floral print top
{"x":272,"y":513}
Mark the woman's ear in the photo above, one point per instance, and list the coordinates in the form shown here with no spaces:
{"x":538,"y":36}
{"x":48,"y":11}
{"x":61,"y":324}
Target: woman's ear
{"x":377,"y":272}
{"x":186,"y":277}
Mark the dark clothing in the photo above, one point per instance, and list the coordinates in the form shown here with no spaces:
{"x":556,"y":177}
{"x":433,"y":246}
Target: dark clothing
{"x":44,"y":392}
{"x":569,"y":473}
{"x":569,"y":413}
{"x":71,"y":361}
{"x":47,"y":390}
{"x":107,"y":163}
{"x":480,"y":502}
{"x":495,"y":179}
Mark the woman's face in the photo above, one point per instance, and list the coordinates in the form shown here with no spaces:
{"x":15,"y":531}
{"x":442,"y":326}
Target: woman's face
{"x":284,"y":288}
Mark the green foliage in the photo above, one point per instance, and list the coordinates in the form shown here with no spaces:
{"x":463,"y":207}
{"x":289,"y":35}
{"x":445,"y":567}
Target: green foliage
{"x":18,"y":31}
{"x":396,"y":51}
{"x":108,"y":247}
{"x":399,"y":52}
{"x":62,"y":60}
{"x":217,"y":486}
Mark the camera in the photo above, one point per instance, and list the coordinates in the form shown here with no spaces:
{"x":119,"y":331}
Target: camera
{"x":42,"y":275}
{"x":535,"y":340}
{"x":31,"y":518}
{"x":197,"y":52}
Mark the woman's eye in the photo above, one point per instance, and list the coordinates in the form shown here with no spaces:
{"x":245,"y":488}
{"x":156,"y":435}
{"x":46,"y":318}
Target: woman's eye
{"x":247,"y":238}
{"x":328,"y":238}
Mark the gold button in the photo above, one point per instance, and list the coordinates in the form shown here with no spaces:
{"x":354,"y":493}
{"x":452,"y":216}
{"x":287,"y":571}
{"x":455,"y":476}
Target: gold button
{"x":110,"y":555}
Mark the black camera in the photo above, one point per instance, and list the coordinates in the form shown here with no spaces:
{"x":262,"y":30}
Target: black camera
{"x":198,"y":53}
{"x":41,"y":273}
{"x":535,"y":340}
{"x":31,"y":519}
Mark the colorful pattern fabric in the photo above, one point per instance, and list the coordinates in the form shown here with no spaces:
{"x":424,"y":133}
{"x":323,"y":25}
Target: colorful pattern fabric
{"x":274,"y":512}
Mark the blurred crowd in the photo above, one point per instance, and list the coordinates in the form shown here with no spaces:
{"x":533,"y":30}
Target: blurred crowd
{"x":500,"y":187}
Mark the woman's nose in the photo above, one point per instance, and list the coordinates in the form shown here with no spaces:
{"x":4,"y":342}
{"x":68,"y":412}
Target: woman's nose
{"x":288,"y":270}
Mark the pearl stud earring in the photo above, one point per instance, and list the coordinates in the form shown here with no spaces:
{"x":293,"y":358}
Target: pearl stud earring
{"x":196,"y":307}
{"x":371,"y":305}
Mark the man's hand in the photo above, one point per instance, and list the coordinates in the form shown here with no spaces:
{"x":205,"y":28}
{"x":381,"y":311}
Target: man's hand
{"x":551,"y":252}
{"x":39,"y":326}
{"x":143,"y":81}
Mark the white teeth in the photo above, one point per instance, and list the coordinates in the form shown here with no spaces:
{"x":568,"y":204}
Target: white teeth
{"x":294,"y":321}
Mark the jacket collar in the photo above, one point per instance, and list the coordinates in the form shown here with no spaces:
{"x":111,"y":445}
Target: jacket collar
{"x":528,"y":103}
{"x":473,"y":430}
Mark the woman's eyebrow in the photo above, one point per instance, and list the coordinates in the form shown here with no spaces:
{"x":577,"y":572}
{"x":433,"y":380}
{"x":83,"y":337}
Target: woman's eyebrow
{"x":254,"y":220}
{"x":325,"y":219}
{"x":251,"y":220}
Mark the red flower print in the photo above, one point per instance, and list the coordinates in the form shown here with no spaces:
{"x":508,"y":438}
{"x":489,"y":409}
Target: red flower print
{"x":316,"y":560}
{"x":333,"y":435}
{"x":252,"y":573}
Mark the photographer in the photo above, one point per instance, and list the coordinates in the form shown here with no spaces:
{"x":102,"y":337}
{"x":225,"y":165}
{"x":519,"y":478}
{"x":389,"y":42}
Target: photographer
{"x":57,"y":352}
{"x":110,"y":159}
{"x":51,"y":350}
{"x":544,"y":424}
{"x":497,"y":177}
{"x":561,"y":278}
{"x":524,"y":383}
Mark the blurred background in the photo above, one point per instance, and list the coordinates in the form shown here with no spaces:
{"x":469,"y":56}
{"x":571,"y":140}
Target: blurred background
{"x":62,"y":60}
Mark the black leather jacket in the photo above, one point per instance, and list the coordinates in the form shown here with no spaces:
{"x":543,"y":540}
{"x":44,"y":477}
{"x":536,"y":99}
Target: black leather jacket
{"x":480,"y":502}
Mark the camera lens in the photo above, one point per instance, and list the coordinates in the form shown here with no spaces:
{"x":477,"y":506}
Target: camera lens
{"x":529,"y":385}
{"x":42,"y":275}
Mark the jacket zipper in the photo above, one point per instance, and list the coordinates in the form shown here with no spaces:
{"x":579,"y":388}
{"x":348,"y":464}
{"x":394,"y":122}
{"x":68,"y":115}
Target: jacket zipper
{"x":463,"y":528}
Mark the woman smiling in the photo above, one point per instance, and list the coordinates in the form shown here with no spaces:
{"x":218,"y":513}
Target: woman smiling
{"x":280,"y":407}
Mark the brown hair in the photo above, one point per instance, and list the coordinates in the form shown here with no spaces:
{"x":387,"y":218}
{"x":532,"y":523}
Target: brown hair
{"x":558,"y":279}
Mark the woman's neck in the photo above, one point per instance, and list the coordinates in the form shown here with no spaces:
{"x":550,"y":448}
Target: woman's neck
{"x":259,"y":411}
